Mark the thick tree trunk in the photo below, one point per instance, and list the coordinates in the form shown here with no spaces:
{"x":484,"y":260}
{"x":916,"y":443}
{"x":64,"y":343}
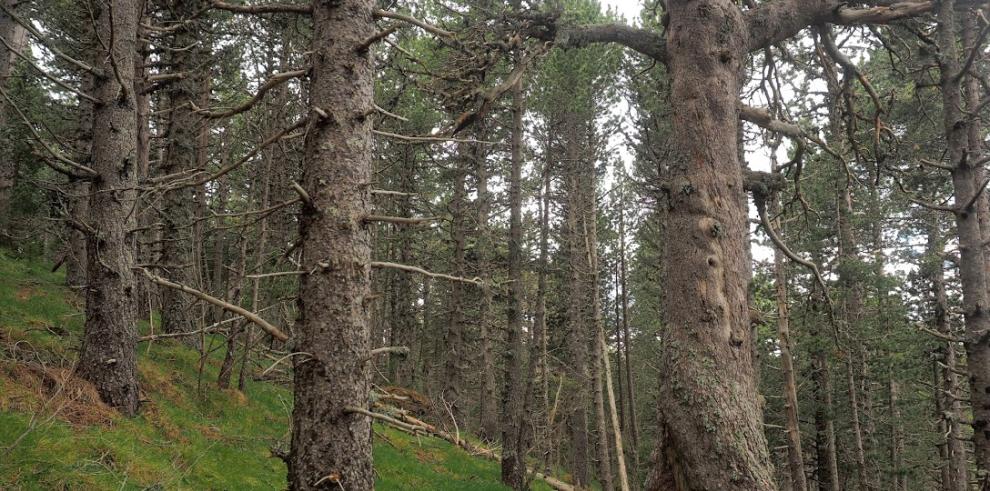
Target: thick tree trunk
{"x":513,"y":427}
{"x":107,"y":357}
{"x":331,"y":446}
{"x":708,"y":396}
{"x":182,"y":137}
{"x":966,"y":181}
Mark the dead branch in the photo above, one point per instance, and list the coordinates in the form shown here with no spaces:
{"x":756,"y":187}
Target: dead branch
{"x":398,"y":350}
{"x":251,"y":316}
{"x":400,"y":220}
{"x":275,"y":80}
{"x":414,"y":21}
{"x":414,"y":269}
{"x":267,"y":8}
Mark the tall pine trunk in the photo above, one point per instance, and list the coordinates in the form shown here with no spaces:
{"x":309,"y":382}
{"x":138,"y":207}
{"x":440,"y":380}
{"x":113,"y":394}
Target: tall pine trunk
{"x":14,"y":36}
{"x":966,"y":181}
{"x":795,"y":454}
{"x":107,"y":357}
{"x":331,"y":445}
{"x":182,"y":137}
{"x":513,"y":427}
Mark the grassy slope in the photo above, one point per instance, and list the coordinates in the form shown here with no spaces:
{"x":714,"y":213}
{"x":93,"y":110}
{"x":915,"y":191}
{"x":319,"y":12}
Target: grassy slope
{"x":184,"y":438}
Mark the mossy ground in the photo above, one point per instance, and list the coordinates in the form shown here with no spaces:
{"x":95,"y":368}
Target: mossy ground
{"x":188,"y":436}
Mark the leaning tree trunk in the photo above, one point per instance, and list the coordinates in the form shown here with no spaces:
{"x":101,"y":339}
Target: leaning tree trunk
{"x":708,"y":398}
{"x":107,"y":357}
{"x":331,"y":444}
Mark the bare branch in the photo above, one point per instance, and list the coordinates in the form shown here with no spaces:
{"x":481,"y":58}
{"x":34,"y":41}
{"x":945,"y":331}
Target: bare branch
{"x":430,"y":138}
{"x":398,"y":350}
{"x":266,"y":8}
{"x":45,"y":73}
{"x":275,"y":80}
{"x":777,"y":20}
{"x":400,"y":220}
{"x":643,"y":41}
{"x":251,"y":316}
{"x":414,"y":21}
{"x":414,"y":269}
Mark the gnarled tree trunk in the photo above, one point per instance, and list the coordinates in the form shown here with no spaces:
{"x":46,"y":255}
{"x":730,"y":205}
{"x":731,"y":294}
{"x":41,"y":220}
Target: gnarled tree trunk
{"x":708,"y":398}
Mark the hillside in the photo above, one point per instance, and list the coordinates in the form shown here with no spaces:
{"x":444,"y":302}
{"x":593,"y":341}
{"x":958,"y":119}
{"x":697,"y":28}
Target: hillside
{"x":55,"y":434}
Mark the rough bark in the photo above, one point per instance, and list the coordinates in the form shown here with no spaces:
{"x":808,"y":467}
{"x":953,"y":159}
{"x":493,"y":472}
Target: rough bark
{"x":950,"y":413}
{"x":454,"y":336}
{"x":107,"y":357}
{"x":707,"y":345}
{"x":182,"y":138}
{"x":492,"y":404}
{"x":331,"y":446}
{"x":966,"y":181}
{"x":577,"y":337}
{"x":14,"y":36}
{"x":513,"y":459}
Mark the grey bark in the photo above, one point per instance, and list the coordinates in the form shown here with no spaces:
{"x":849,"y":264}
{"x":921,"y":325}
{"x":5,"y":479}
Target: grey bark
{"x":107,"y":357}
{"x":331,"y":446}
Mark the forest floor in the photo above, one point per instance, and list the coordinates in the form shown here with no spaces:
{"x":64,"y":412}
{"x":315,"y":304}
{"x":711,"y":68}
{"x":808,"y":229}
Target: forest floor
{"x":55,"y":434}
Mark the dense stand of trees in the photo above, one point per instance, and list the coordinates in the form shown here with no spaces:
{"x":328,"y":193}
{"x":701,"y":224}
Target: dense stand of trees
{"x":740,"y":246}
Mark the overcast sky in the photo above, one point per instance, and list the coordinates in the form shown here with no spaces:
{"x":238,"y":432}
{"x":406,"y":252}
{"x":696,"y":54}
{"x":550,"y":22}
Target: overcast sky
{"x":628,"y":8}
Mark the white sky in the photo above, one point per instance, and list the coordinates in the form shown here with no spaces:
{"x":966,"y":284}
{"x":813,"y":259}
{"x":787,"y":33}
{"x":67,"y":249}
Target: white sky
{"x":628,"y":8}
